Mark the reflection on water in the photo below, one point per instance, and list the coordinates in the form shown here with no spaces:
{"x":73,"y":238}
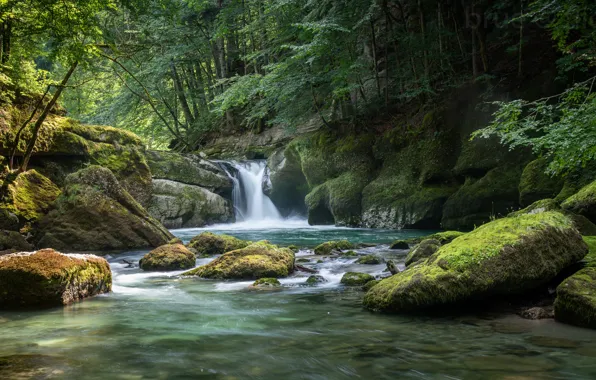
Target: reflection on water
{"x":162,"y":326}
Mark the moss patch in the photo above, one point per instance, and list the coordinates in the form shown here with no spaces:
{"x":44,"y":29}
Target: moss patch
{"x":328,"y":247}
{"x":31,"y":195}
{"x":209,"y":244}
{"x":535,"y":184}
{"x":369,"y":260}
{"x":258,"y":260}
{"x":425,"y":249}
{"x":583,"y":203}
{"x":168,"y":257}
{"x":506,"y":256}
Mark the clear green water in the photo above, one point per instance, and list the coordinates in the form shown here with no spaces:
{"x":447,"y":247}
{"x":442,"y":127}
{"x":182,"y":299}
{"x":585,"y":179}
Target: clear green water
{"x":161,"y":326}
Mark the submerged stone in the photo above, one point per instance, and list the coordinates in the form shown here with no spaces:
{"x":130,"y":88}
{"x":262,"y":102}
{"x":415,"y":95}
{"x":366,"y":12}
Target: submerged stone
{"x":507,"y":256}
{"x":48,"y":278}
{"x":168,"y":257}
{"x":328,"y":247}
{"x":424,"y":250}
{"x":576,"y":299}
{"x":210,"y":244}
{"x":356,"y":278}
{"x":258,"y":260}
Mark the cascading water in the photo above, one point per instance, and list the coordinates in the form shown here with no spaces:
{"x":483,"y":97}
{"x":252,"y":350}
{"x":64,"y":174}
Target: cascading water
{"x":250,"y":203}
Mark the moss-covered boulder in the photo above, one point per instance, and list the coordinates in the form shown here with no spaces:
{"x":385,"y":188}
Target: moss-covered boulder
{"x":330,"y":246}
{"x":30,"y":195}
{"x":399,"y":244}
{"x":369,"y":285}
{"x":444,"y":237}
{"x":315,"y":279}
{"x":583,"y":203}
{"x":369,"y":260}
{"x":95,"y":213}
{"x":535,"y":184}
{"x":424,"y":250}
{"x":48,"y":278}
{"x":507,"y":256}
{"x":168,"y":257}
{"x":576,"y":299}
{"x":480,"y":200}
{"x":356,"y":279}
{"x":266,"y":283}
{"x":583,"y":224}
{"x":177,"y":205}
{"x":209,"y":244}
{"x":188,"y":169}
{"x":12,"y":241}
{"x":258,"y":260}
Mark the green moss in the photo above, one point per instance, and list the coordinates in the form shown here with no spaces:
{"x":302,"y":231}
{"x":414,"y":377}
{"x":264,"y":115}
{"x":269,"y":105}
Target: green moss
{"x":208,"y":244}
{"x":356,"y":279}
{"x":583,"y":202}
{"x":315,"y":279}
{"x":31,"y":195}
{"x":424,"y":250}
{"x":258,"y":260}
{"x":576,"y":299}
{"x":328,"y":247}
{"x":591,"y":256}
{"x":267,"y":282}
{"x":168,"y":257}
{"x":370,"y":284}
{"x":535,"y":184}
{"x":349,"y":254}
{"x":49,"y":278}
{"x":502,"y":257}
{"x":369,"y":260}
{"x":444,"y":237}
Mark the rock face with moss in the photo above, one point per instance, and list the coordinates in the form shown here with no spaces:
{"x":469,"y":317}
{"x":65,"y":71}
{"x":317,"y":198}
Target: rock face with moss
{"x":168,"y":257}
{"x":65,"y":146}
{"x":258,"y":260}
{"x":177,"y":205}
{"x":48,"y":278}
{"x":583,"y":203}
{"x":95,"y":213}
{"x":209,"y":244}
{"x":507,"y":256}
{"x":576,"y":299}
{"x":29,"y":196}
{"x":425,"y":249}
{"x":329,"y":247}
{"x":535,"y":184}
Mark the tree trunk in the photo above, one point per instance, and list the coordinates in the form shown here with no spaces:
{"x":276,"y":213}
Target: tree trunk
{"x":181,"y":95}
{"x":374,"y":52}
{"x":43,"y":117}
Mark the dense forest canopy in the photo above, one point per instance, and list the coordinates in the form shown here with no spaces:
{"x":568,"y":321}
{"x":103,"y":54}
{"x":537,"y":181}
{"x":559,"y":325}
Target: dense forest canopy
{"x":180,"y":71}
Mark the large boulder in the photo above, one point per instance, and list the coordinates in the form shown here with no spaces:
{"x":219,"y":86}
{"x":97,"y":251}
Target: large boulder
{"x":189,"y":169}
{"x":178,"y":205}
{"x":209,"y":244}
{"x":258,"y":260}
{"x":95,"y":213}
{"x":48,"y":278}
{"x":576,"y":299}
{"x":504,"y":257}
{"x":168,"y":257}
{"x":29,"y":196}
{"x":583,"y":202}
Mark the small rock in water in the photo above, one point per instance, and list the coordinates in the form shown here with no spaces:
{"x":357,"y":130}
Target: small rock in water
{"x":535,"y":313}
{"x":316,"y":279}
{"x":369,"y":260}
{"x":391,"y":267}
{"x":356,"y":279}
{"x":302,"y":260}
{"x":266,"y":283}
{"x":399,"y":244}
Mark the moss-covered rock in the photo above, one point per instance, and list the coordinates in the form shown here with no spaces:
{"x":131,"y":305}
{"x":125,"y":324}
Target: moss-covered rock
{"x":583,"y":203}
{"x":444,"y":237}
{"x":583,"y":224}
{"x":177,"y":205}
{"x":590,"y":258}
{"x":507,"y":256}
{"x":168,"y":257}
{"x":258,"y":260}
{"x":356,"y":279}
{"x":535,"y":184}
{"x":370,"y":284}
{"x":412,"y":186}
{"x":424,"y":250}
{"x":188,"y":169}
{"x":328,"y":247}
{"x":12,"y":241}
{"x":480,"y":200}
{"x":266,"y":283}
{"x":399,"y":244}
{"x":576,"y":299}
{"x":30,"y":196}
{"x":369,"y":260}
{"x":315,"y":279}
{"x":95,"y":213}
{"x":209,"y":244}
{"x":49,"y":278}
{"x":349,"y":254}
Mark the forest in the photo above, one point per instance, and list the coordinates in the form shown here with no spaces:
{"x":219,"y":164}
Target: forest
{"x":265,"y":189}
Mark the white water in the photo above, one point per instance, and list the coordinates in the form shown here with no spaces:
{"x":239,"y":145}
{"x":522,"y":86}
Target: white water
{"x":250,"y":203}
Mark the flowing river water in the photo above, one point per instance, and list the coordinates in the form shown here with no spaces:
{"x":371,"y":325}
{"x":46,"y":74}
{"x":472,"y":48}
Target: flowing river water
{"x":164,"y":326}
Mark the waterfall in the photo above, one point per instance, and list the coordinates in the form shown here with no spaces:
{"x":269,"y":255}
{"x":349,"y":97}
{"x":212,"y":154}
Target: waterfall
{"x":250,"y":203}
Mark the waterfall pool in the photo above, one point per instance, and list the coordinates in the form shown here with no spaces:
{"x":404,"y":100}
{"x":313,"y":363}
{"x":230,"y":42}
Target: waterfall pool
{"x":163,"y":326}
